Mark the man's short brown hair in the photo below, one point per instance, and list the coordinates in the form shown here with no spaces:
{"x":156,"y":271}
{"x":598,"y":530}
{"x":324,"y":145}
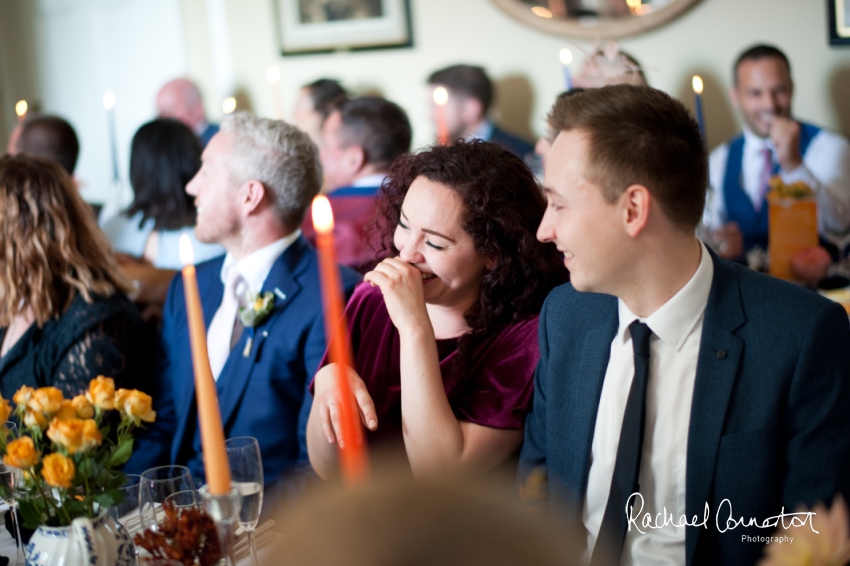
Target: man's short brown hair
{"x":640,"y":135}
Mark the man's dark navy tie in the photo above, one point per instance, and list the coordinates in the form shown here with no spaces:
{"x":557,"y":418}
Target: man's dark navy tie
{"x":624,"y":482}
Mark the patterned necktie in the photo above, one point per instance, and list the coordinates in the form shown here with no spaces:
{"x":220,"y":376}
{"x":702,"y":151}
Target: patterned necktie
{"x":624,"y":482}
{"x":766,"y":174}
{"x":221,"y":327}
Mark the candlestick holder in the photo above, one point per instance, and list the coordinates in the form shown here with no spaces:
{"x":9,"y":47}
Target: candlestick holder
{"x":224,"y":511}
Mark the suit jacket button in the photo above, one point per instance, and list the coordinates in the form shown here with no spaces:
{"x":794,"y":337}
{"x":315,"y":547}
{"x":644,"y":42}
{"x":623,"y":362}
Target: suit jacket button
{"x":721,"y":354}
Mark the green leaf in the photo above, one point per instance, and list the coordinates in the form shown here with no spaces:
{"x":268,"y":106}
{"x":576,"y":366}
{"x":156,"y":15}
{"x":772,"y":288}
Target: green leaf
{"x":122,"y":453}
{"x":32,"y":518}
{"x":109,"y":498}
{"x":84,"y":469}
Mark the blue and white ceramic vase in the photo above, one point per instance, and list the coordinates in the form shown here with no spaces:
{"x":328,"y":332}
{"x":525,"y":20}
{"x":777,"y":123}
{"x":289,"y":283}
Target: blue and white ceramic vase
{"x":87,"y":542}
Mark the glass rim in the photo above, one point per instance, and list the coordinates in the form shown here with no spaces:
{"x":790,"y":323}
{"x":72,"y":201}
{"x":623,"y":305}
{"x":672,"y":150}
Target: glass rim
{"x":241,"y":442}
{"x":153,"y":474}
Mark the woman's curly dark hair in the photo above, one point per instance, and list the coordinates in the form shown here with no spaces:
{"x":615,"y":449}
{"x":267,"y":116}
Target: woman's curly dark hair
{"x":502,"y":207}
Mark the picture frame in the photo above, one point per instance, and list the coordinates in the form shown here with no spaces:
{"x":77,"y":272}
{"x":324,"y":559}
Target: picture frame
{"x":323,"y":26}
{"x":839,"y":22}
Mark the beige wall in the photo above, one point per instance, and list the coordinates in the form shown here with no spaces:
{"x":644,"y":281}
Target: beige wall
{"x":524,"y":62}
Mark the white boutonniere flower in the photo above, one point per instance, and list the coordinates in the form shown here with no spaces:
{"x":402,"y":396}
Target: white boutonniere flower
{"x":258,"y":308}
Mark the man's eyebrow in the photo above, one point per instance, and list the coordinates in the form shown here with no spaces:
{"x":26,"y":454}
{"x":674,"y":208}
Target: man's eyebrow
{"x":432,"y":232}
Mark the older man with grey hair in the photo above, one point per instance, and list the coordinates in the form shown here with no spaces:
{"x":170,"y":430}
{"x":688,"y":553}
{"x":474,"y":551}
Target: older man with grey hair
{"x":262,"y":303}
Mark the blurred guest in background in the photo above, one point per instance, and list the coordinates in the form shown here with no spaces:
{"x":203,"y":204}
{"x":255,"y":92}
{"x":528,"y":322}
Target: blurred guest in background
{"x":181,"y":99}
{"x":50,"y":137}
{"x":64,"y":316}
{"x":608,"y":65}
{"x":165,"y":155}
{"x":361,"y":139}
{"x":470,"y":98}
{"x":257,"y":179}
{"x":444,"y":333}
{"x":773,"y":143}
{"x":314,"y":104}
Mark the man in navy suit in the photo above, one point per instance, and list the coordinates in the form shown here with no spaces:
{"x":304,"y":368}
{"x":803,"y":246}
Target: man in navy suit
{"x":257,"y":178}
{"x":676,"y":393}
{"x":361,"y":137}
{"x":470,"y":97}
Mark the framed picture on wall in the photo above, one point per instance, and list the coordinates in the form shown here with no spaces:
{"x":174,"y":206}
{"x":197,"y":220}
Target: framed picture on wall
{"x":839,"y":21}
{"x":320,"y":26}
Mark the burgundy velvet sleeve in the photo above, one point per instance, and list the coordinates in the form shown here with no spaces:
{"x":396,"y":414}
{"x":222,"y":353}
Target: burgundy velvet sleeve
{"x":499,"y":384}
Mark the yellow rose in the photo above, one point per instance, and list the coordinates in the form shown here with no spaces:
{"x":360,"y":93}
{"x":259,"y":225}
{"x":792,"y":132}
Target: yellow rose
{"x":22,"y":397}
{"x":5,"y":410}
{"x":34,"y":420}
{"x":58,"y":470}
{"x":135,"y":404}
{"x":76,"y":435}
{"x":92,"y":437}
{"x":83,"y":407}
{"x":101,"y":392}
{"x":67,"y":411}
{"x":21,"y":453}
{"x":46,"y":400}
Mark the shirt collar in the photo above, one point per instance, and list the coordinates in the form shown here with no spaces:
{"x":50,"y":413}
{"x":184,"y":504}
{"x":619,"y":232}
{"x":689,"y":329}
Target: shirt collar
{"x":676,"y":318}
{"x":373,"y":180}
{"x":755,"y":144}
{"x":483,"y":132}
{"x":255,"y":267}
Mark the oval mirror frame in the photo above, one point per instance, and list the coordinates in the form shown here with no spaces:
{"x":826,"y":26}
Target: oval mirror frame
{"x":604,"y":28}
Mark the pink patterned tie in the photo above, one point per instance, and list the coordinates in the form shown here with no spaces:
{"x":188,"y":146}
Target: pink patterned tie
{"x":766,"y":174}
{"x":221,"y":327}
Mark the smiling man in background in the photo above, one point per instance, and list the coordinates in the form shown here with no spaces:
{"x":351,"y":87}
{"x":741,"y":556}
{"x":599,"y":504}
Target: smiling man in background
{"x":773,"y":143}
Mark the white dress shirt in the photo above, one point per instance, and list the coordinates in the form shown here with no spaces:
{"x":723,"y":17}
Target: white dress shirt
{"x":255,"y":267}
{"x":825,"y":168}
{"x":674,"y":348}
{"x":373,"y":180}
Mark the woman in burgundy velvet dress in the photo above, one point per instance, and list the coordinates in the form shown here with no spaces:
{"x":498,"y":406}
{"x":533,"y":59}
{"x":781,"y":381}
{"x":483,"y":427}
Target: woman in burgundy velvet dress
{"x":444,"y":331}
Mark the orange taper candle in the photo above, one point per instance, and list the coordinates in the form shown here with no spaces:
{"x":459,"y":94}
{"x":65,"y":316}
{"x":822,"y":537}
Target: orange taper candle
{"x":212,"y":433}
{"x":441,"y":97}
{"x":352,"y":452}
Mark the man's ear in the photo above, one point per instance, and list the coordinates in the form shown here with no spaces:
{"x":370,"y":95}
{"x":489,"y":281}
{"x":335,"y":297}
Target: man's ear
{"x":471,"y":110}
{"x":636,"y":201}
{"x":252,"y":194}
{"x":733,"y":96}
{"x":355,"y":158}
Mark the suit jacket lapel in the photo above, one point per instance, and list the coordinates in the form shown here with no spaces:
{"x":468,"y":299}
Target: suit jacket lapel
{"x":282,"y":281}
{"x":717,"y":367}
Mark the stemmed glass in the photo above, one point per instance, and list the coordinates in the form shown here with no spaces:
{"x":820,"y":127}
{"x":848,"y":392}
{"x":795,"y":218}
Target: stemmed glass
{"x":157,"y":485}
{"x":122,"y":512}
{"x":246,"y":468}
{"x":11,"y":480}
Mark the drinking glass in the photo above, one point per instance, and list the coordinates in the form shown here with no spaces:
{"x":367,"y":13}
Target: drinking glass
{"x":246,"y":469}
{"x":156,"y":485}
{"x":126,"y":512}
{"x":188,"y":499}
{"x":12,"y":479}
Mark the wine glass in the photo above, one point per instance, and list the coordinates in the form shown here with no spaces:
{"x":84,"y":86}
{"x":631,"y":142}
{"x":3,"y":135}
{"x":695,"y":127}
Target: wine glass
{"x":156,"y":485}
{"x":126,"y":511}
{"x":246,"y":469}
{"x":188,"y":499}
{"x":12,"y":479}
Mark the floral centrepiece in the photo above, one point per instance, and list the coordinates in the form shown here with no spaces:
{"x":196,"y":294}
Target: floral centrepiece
{"x":67,"y":450}
{"x":259,"y":307}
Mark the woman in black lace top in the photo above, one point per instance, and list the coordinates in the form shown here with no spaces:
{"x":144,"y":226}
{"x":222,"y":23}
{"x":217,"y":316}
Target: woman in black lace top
{"x":64,"y":316}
